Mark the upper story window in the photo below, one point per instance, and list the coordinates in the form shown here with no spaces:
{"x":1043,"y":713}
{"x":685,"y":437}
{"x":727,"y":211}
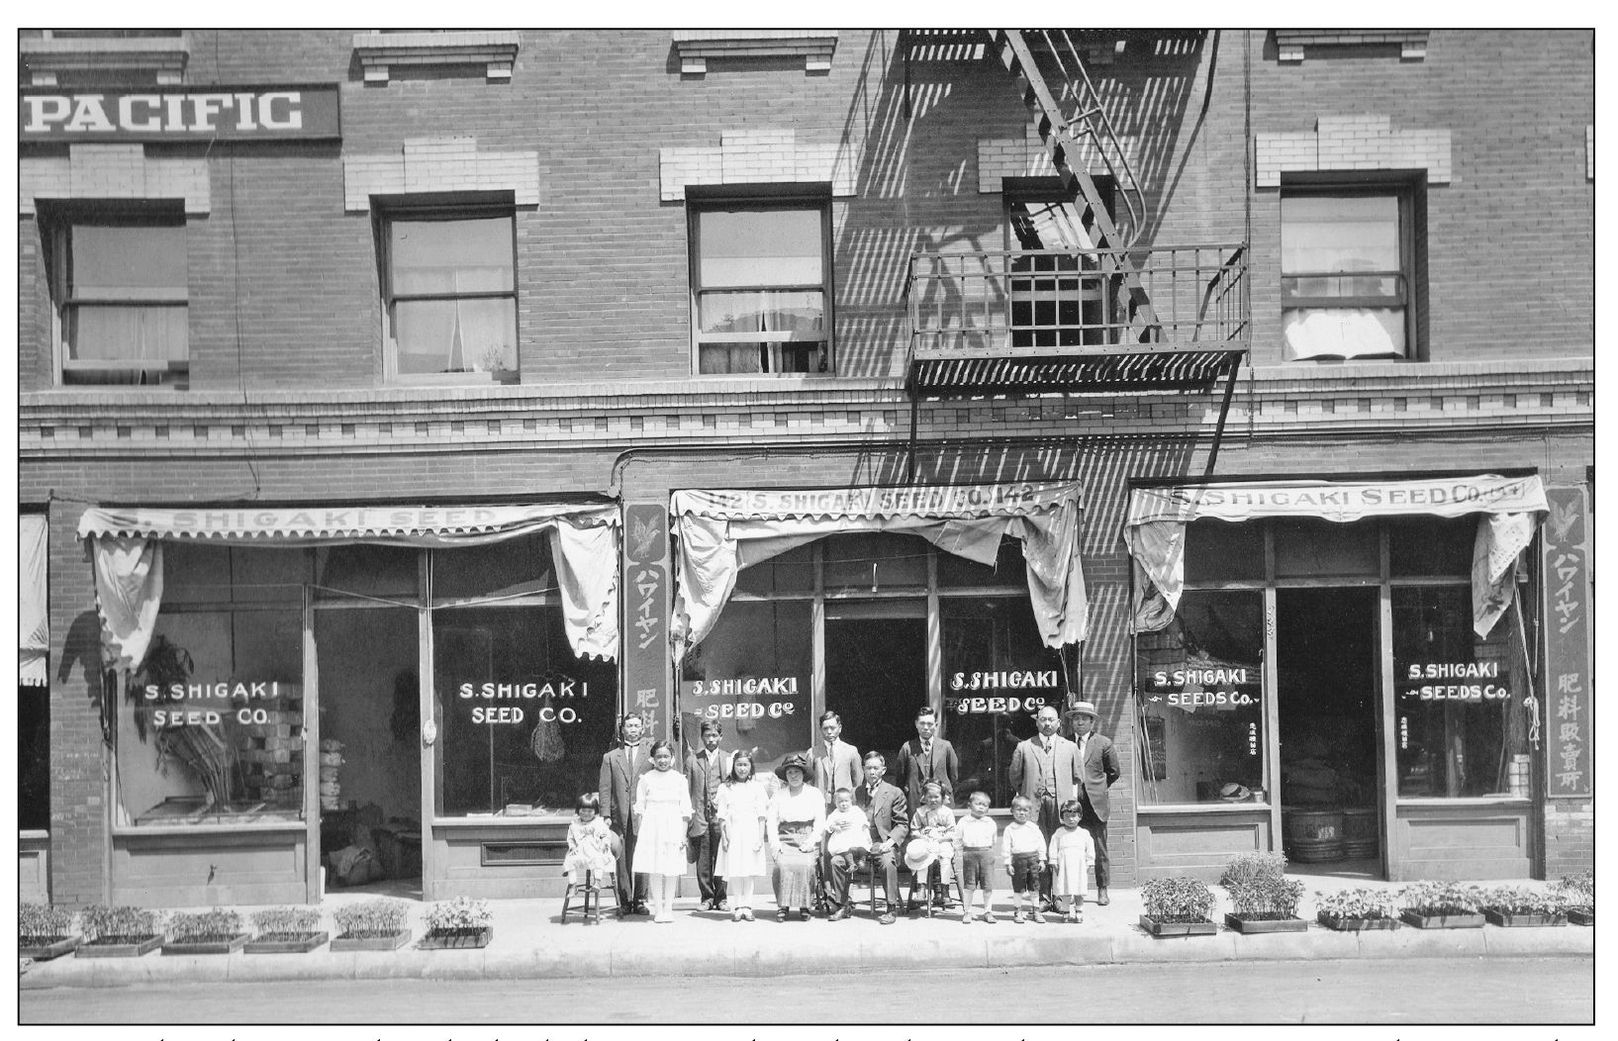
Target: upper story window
{"x":1345,"y":274}
{"x":122,"y":301}
{"x":760,"y":288}
{"x":451,"y":297}
{"x":1058,"y":290}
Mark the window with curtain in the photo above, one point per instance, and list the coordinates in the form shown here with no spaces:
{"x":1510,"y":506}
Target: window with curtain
{"x":452,"y":297}
{"x":1345,"y":280}
{"x":761,"y":289}
{"x":123,"y":302}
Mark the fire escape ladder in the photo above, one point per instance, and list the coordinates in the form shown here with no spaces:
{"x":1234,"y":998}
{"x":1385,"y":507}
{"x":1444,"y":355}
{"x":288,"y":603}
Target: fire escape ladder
{"x":1065,"y":131}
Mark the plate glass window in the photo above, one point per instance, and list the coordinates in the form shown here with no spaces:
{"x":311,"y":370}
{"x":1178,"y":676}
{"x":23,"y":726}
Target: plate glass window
{"x":452,"y":304}
{"x":124,"y":313}
{"x":1344,"y":283}
{"x":760,"y":287}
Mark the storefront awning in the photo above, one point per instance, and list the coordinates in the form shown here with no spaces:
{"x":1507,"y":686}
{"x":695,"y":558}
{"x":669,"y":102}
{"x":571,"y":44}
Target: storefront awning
{"x":128,"y":554}
{"x":33,"y":620}
{"x":723,"y":531}
{"x":1510,"y":507}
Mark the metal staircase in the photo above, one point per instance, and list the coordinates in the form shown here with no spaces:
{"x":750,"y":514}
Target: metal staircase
{"x":1067,"y":125}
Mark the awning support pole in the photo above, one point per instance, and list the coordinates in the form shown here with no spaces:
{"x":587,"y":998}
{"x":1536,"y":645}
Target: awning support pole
{"x":1235,"y":364}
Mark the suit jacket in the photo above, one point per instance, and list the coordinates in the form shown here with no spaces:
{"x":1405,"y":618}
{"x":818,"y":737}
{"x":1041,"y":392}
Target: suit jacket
{"x":694,"y":779}
{"x":886,"y":811}
{"x":1024,"y":771}
{"x":1098,"y":771}
{"x":840,"y":770}
{"x":945,"y":768}
{"x":618,"y":786}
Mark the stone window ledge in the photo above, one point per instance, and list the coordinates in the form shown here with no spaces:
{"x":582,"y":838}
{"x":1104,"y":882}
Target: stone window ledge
{"x":696,"y":46}
{"x":1291,"y":44}
{"x":46,"y":59}
{"x":379,"y":53}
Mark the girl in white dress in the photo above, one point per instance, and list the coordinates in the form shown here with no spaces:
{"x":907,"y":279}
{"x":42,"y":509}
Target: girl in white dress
{"x":1071,"y":854}
{"x":662,"y":808}
{"x":744,"y":804}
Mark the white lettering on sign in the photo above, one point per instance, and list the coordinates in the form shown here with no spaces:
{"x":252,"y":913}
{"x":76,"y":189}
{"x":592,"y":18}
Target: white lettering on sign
{"x":976,"y":706}
{"x":1182,"y":677}
{"x":749,"y":710}
{"x":193,"y":691}
{"x":1462,"y":692}
{"x":162,"y":113}
{"x":568,"y":688}
{"x":746,"y":686}
{"x":1463,"y":670}
{"x":1204,"y":699}
{"x":516,"y":714}
{"x":1012,"y":679}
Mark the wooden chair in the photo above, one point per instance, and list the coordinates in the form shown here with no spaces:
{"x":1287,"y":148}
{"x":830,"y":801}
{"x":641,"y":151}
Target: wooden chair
{"x":585,"y":890}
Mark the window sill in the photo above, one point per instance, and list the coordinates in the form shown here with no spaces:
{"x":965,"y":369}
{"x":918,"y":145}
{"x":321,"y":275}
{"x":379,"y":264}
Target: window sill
{"x":1201,"y":807}
{"x":1441,"y":802}
{"x":163,"y":57}
{"x":440,"y":379}
{"x":493,"y":821}
{"x":696,"y":46}
{"x":379,"y":52}
{"x":128,"y":831}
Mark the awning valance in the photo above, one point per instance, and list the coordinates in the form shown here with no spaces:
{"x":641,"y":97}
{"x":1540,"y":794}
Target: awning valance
{"x":723,"y":531}
{"x":1154,"y":529}
{"x":129,"y":561}
{"x":33,"y":618}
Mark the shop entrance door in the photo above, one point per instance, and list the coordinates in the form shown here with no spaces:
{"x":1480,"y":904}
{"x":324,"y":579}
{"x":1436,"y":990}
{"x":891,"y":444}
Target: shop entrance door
{"x":1329,"y":709}
{"x":876,"y":671}
{"x":370,"y":748}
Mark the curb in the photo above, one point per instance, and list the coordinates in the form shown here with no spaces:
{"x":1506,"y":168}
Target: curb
{"x":873,"y":951}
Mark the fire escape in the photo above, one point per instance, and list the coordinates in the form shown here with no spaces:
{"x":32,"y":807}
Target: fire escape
{"x":1088,"y":305}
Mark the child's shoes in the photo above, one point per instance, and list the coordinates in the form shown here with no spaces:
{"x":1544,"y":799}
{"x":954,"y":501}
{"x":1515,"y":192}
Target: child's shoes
{"x":1017,"y":916}
{"x":988,"y":916}
{"x":1039,"y":916}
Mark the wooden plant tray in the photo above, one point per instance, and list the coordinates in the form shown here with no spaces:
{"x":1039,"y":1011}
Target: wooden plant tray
{"x":1359,"y":925}
{"x":57,"y":947}
{"x":1254,"y":926}
{"x":385,"y":942}
{"x":457,"y":941}
{"x":1162,"y":929}
{"x":145,"y":945}
{"x":1520,"y":921}
{"x":285,"y":944}
{"x":223,"y":945}
{"x":1442,"y":921}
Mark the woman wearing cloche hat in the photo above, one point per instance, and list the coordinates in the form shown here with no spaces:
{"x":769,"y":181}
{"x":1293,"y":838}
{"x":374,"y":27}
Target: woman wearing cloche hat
{"x":797,"y":816}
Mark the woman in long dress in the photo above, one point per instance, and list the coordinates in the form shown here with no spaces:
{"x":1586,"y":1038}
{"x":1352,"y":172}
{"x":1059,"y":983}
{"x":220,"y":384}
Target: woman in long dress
{"x":796,"y":818}
{"x":662,"y":808}
{"x":744,"y":807}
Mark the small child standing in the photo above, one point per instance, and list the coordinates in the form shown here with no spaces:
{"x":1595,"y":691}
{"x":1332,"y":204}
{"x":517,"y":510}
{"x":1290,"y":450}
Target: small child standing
{"x":589,"y":845}
{"x":1022,"y":847}
{"x":976,"y":833}
{"x":1071,"y":855}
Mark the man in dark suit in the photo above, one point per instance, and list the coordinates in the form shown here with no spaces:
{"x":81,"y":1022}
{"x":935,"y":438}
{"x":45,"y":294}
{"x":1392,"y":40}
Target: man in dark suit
{"x":705,"y":770}
{"x":1098,"y":770}
{"x":620,"y":770}
{"x":885,"y":808}
{"x":928,"y":757}
{"x":1045,"y":770}
{"x":836,"y":762}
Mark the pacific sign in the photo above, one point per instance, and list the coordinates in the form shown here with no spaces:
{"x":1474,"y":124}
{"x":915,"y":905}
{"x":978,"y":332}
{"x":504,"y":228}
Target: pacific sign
{"x":167,"y":114}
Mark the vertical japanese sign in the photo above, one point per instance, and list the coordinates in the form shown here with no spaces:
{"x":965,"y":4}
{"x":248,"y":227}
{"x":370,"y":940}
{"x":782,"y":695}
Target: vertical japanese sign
{"x":645,"y":602}
{"x":1567,"y":646}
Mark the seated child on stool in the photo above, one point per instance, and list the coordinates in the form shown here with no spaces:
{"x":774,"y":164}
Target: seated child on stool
{"x":589,"y":845}
{"x":935,"y":822}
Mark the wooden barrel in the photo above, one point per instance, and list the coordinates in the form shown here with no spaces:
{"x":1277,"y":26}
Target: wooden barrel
{"x":1360,"y":837}
{"x":1313,"y":836}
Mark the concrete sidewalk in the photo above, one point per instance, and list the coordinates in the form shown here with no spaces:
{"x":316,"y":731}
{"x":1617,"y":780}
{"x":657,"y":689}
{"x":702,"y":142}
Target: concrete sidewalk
{"x":530,"y":942}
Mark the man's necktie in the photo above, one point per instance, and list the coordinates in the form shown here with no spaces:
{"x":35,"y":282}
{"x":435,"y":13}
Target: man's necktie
{"x":711,"y":785}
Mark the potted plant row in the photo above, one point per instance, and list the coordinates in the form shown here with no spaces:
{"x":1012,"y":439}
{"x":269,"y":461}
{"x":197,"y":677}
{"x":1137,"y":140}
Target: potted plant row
{"x":1355,"y":910}
{"x":1515,"y":906}
{"x":118,"y":932}
{"x":371,"y":925}
{"x":285,"y":930}
{"x":1177,"y":907}
{"x":1442,"y":905}
{"x":460,"y":923}
{"x":45,"y":932}
{"x":214,"y":931}
{"x":1578,"y":895}
{"x":1262,"y":898}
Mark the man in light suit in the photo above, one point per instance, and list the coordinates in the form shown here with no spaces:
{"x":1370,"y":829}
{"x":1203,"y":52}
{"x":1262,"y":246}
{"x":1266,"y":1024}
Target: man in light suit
{"x":1098,"y":770}
{"x":1045,"y":770}
{"x":885,"y":808}
{"x":705,"y":770}
{"x":620,"y":771}
{"x":928,"y":757}
{"x":836,"y":762}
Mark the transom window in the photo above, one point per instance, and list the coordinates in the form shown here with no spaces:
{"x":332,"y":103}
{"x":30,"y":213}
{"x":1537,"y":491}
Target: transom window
{"x":1344,"y":275}
{"x":451,"y":298}
{"x":123,"y":302}
{"x":760,"y":289}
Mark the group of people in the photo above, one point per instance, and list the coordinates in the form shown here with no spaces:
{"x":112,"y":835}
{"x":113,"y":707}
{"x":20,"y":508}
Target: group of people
{"x":835,"y":815}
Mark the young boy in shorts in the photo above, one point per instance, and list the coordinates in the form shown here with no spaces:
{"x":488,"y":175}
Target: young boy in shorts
{"x":976,"y":833}
{"x":1022,"y":848}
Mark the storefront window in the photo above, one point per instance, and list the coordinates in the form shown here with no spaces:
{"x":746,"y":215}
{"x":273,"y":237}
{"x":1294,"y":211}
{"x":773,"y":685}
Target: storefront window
{"x":1460,"y":728}
{"x":1309,"y":548}
{"x":366,"y":570}
{"x":1219,"y":551}
{"x":211,"y":729}
{"x":1199,"y":687}
{"x":752,"y":675}
{"x":997,"y":675}
{"x":521,"y":721}
{"x":875,"y":562}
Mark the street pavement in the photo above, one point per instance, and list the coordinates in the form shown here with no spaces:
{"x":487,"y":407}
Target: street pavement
{"x":531,"y":943}
{"x":1402,"y":991}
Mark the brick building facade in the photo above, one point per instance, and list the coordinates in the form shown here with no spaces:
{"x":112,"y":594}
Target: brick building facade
{"x":603,"y":153}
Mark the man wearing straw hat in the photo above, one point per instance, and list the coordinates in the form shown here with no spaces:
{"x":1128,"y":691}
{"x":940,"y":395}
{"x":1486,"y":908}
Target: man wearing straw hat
{"x":1098,"y":770}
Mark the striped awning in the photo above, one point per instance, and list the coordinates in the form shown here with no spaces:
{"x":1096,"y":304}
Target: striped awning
{"x":425,"y":524}
{"x":33,"y":620}
{"x":965,"y":373}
